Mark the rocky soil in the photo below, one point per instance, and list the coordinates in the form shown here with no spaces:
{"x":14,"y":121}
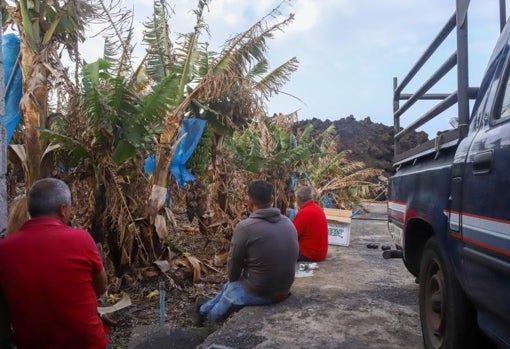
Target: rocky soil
{"x":369,"y":142}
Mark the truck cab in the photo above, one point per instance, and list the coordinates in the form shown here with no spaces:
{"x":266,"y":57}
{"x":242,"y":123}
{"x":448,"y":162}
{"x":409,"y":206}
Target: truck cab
{"x":449,"y":199}
{"x":479,"y":217}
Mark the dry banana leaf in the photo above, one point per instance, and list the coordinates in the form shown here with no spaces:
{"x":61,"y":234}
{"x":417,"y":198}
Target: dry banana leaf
{"x":164,"y":266}
{"x":195,"y":264}
{"x":161,"y":228}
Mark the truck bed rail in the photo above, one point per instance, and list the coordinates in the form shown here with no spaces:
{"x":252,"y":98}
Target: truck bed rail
{"x":457,"y":22}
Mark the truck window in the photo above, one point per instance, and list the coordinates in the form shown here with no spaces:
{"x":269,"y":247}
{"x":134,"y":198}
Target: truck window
{"x":502,"y":111}
{"x":488,"y":91}
{"x":505,"y":105}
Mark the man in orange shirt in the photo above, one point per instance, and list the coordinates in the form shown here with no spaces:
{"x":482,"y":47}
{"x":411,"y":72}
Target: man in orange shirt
{"x":311,"y":226}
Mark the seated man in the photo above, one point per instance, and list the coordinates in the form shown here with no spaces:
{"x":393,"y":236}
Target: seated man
{"x":51,"y":275}
{"x":312,"y":227}
{"x":261,"y":261}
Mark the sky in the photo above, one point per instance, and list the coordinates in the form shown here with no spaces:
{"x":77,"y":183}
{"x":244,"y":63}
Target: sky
{"x":349,"y":50}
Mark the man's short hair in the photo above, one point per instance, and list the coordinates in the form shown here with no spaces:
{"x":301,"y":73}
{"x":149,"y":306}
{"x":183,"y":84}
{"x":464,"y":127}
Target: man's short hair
{"x":46,"y":196}
{"x":261,"y":193}
{"x":304,"y":194}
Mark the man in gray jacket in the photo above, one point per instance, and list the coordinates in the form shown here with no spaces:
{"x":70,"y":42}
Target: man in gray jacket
{"x":262,"y":258}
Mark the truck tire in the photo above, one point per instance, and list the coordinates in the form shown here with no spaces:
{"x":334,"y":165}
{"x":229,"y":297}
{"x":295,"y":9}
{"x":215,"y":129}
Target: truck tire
{"x":448,"y":320}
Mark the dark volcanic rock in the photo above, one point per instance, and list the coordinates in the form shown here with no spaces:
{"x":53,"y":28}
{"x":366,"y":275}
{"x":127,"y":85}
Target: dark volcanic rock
{"x":369,"y":142}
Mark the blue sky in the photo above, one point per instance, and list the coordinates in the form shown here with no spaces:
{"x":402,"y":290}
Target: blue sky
{"x":349,"y":50}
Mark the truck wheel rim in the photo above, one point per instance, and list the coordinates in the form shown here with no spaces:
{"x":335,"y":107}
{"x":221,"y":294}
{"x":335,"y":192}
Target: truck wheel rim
{"x":434,"y":305}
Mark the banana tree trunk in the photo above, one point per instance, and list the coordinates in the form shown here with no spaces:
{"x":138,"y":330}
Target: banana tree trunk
{"x":33,"y":107}
{"x":164,"y":155}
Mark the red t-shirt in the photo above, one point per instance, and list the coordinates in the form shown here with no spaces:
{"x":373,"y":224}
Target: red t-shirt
{"x":46,"y":273}
{"x":312,"y":229}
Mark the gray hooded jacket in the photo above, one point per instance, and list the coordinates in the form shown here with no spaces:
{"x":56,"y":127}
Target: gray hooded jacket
{"x":263,"y":253}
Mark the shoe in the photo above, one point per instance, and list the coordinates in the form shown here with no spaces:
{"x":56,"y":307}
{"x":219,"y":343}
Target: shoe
{"x":212,"y":326}
{"x":374,"y":246}
{"x":385,"y":247}
{"x":196,"y":316}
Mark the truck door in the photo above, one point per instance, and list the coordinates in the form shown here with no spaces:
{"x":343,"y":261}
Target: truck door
{"x":485,"y":216}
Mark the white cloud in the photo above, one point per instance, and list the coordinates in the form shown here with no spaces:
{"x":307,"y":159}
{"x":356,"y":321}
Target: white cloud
{"x":349,"y":50}
{"x":307,"y":13}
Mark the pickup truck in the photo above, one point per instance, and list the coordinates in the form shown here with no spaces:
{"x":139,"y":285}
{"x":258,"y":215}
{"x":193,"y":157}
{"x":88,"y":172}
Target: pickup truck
{"x":449,"y":198}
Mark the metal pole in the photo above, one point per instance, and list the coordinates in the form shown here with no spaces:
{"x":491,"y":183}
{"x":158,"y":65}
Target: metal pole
{"x":162,"y":302}
{"x":3,"y":148}
{"x":462,"y":66}
{"x":502,"y":14}
{"x":396,"y":118}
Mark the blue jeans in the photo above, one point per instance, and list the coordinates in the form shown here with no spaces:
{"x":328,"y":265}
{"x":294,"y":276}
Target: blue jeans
{"x":231,"y":295}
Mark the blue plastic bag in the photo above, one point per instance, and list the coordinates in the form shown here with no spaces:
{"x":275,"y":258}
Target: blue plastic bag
{"x":13,"y":83}
{"x":193,"y":128}
{"x":292,"y":212}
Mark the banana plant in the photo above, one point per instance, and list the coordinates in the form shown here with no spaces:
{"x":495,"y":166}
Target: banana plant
{"x":331,"y":172}
{"x":226,"y":87}
{"x":271,"y":150}
{"x":125,"y":112}
{"x":268,"y":149}
{"x":106,"y":139}
{"x":45,"y":28}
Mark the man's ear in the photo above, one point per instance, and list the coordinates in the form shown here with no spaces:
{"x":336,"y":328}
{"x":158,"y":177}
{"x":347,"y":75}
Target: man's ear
{"x":250,"y":204}
{"x":64,"y":213}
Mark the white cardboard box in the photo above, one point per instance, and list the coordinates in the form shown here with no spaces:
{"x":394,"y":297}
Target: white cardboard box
{"x":339,"y":226}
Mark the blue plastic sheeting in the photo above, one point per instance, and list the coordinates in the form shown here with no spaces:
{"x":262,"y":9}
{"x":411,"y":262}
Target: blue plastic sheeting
{"x":13,"y":85}
{"x":355,"y":213}
{"x":293,"y":181}
{"x":194,"y":128}
{"x":327,"y":201}
{"x":291,"y":213}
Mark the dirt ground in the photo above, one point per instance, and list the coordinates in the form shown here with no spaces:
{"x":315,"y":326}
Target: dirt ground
{"x":355,"y":300}
{"x":180,"y":289}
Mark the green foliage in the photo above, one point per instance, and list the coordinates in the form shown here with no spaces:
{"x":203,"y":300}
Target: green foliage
{"x":5,"y":15}
{"x":202,"y":156}
{"x":159,"y":100}
{"x":71,"y":149}
{"x":117,"y":119}
{"x":272,"y":82}
{"x":156,"y":37}
{"x":268,"y":148}
{"x":273,"y":151}
{"x":246,"y":151}
{"x":182,"y":61}
{"x":49,"y":22}
{"x":228,"y":87}
{"x":121,"y":117}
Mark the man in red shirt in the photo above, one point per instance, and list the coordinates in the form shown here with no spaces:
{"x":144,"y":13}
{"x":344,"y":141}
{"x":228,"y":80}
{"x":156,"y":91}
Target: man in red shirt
{"x":311,"y":226}
{"x":51,"y":275}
